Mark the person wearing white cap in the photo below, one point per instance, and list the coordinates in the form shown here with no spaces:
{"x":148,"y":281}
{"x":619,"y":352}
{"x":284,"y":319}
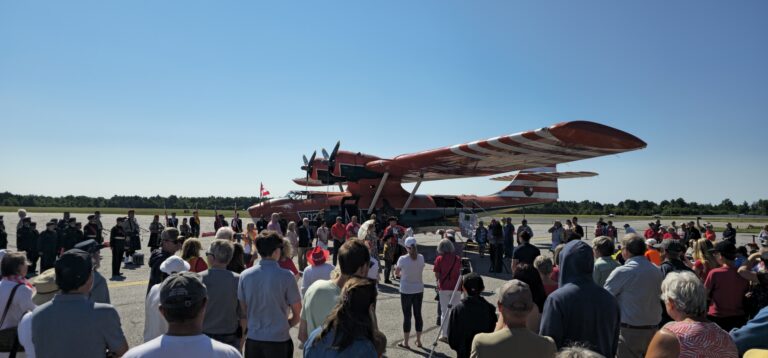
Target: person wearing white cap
{"x":154,"y":324}
{"x":410,"y":268}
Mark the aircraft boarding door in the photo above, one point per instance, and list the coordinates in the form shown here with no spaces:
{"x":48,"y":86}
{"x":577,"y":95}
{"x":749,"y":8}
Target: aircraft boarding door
{"x":349,"y":208}
{"x":468,"y":224}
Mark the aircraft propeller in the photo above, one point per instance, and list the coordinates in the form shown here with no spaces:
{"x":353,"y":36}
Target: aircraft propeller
{"x":332,"y":158}
{"x":309,"y":164}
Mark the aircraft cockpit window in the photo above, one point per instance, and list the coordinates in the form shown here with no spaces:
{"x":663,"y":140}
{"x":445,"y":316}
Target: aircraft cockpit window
{"x":293,"y":195}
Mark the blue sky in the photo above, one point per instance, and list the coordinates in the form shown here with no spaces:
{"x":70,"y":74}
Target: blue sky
{"x":211,"y":98}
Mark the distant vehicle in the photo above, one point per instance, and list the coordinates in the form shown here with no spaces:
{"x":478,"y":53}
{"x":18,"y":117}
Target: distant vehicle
{"x":374,"y":185}
{"x":611,"y":215}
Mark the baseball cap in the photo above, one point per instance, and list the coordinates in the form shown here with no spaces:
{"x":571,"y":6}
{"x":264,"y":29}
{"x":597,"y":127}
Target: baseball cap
{"x":410,"y":242}
{"x":516,"y":295}
{"x":173,"y":265}
{"x":652,"y":243}
{"x":73,"y":269}
{"x":182,"y":290}
{"x":89,"y":246}
{"x":726,"y":248}
{"x":671,"y":245}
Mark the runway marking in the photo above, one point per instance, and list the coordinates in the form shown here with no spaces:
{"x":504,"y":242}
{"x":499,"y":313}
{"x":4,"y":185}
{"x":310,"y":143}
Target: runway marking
{"x":126,"y":284}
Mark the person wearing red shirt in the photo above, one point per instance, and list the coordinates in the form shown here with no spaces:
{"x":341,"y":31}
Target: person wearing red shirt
{"x":650,"y":232}
{"x":726,"y":289}
{"x":352,"y":228}
{"x":710,"y":234}
{"x":447,"y":270}
{"x":393,"y":246}
{"x":339,"y":235}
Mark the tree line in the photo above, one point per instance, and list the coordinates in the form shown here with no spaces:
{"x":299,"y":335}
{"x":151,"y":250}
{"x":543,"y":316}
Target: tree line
{"x":135,"y":201}
{"x":647,"y":208}
{"x":626,"y":207}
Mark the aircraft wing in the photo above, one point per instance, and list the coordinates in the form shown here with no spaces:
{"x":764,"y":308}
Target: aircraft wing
{"x":559,"y":143}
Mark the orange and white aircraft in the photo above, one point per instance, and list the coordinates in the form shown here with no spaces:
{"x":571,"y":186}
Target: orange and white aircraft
{"x":373,"y":184}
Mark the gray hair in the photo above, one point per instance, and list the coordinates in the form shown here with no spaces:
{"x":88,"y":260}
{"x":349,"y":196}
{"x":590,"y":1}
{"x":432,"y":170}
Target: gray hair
{"x":225,"y":233}
{"x":22,"y":213}
{"x":445,"y":246}
{"x":686,"y":291}
{"x":543,"y":264}
{"x":578,"y":352}
{"x":222,"y":251}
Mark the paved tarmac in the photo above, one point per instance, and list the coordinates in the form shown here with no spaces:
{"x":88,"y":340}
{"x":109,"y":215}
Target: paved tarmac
{"x":128,"y":294}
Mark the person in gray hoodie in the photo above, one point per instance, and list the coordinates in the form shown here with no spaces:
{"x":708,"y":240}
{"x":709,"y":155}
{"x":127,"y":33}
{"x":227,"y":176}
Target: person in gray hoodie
{"x":580,"y":311}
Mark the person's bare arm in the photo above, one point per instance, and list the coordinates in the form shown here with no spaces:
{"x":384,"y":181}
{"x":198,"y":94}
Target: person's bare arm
{"x":664,"y":344}
{"x":303,"y":335}
{"x":295,"y":314}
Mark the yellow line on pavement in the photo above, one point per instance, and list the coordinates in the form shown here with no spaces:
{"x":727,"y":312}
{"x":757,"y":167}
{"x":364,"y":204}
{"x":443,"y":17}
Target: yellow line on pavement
{"x":125,"y":284}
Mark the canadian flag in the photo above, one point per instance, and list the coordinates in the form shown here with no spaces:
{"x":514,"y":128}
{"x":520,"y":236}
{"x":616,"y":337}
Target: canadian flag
{"x":262,"y":190}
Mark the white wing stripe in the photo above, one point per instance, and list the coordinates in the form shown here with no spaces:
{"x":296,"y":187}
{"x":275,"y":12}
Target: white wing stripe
{"x":456,"y":150}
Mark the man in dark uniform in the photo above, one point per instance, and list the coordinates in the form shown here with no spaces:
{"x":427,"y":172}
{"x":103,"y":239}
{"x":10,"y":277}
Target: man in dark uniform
{"x":237,"y":227}
{"x":173,"y":221}
{"x":261,"y":224}
{"x":194,"y":224}
{"x":31,"y":249}
{"x":46,"y":245}
{"x":91,"y":230}
{"x":3,"y":235}
{"x":219,"y":222}
{"x":117,"y":240}
{"x":133,"y":241}
{"x":71,"y":236}
{"x":63,"y":223}
{"x":23,"y":234}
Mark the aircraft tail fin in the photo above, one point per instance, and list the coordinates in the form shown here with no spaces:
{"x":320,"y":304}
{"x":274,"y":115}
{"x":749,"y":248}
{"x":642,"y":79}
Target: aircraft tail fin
{"x":531,"y":183}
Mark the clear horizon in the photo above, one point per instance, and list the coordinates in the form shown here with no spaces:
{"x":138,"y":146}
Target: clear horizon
{"x":199,"y":99}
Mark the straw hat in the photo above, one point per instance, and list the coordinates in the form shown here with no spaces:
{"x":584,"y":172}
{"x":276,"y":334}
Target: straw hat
{"x":45,"y":286}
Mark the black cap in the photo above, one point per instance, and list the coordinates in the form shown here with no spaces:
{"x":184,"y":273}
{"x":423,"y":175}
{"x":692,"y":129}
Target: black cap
{"x":52,"y":222}
{"x":91,"y":217}
{"x":71,"y":220}
{"x":671,"y":245}
{"x":182,"y":290}
{"x":726,"y":248}
{"x":73,"y":269}
{"x":26,"y":219}
{"x":89,"y":246}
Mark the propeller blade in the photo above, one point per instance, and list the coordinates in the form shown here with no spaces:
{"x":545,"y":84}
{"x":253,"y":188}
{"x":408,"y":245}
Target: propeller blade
{"x":312,"y":158}
{"x":335,"y":151}
{"x":306,"y":162}
{"x":325,"y":154}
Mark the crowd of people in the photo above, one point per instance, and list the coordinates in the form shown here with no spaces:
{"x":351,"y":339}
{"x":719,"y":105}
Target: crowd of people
{"x":667,"y":293}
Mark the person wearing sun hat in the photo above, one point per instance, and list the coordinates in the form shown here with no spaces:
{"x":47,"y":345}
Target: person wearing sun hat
{"x":318,"y":268}
{"x":154,"y":324}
